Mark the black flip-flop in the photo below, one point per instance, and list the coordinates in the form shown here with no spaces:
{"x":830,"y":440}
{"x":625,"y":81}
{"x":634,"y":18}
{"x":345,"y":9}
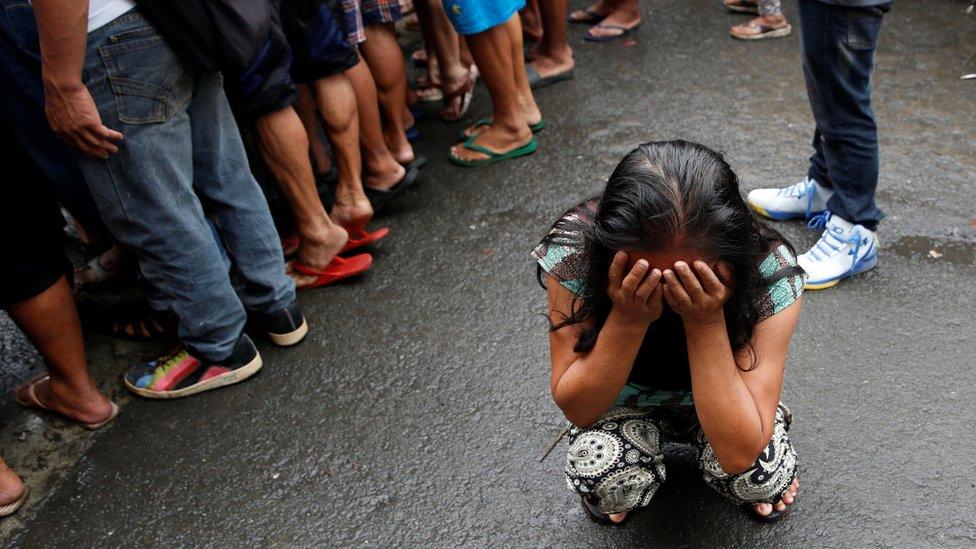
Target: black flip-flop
{"x":417,"y":163}
{"x":773,"y":517}
{"x":598,"y":516}
{"x":537,"y":81}
{"x":594,"y":17}
{"x":379,"y":199}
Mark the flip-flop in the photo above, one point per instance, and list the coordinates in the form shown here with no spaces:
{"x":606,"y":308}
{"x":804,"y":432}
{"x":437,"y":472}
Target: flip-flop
{"x":591,"y":38}
{"x":598,"y":516}
{"x":340,"y":268}
{"x":379,"y":199}
{"x":765,"y":31}
{"x":493,"y":156}
{"x":593,"y":17}
{"x":417,"y":162}
{"x":774,"y":516}
{"x":536,"y":80}
{"x":360,"y":238}
{"x":36,"y":404}
{"x":536,"y":128}
{"x":11,"y":508}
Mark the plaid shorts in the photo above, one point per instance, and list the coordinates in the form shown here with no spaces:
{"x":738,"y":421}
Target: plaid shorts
{"x":359,"y":13}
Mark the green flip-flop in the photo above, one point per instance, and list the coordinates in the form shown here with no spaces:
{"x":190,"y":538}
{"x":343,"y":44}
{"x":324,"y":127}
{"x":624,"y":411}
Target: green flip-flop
{"x":493,"y":156}
{"x":536,"y":128}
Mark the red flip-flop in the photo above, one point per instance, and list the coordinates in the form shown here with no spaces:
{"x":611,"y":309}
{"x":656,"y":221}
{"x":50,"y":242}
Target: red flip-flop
{"x":360,"y":238}
{"x":340,"y":269}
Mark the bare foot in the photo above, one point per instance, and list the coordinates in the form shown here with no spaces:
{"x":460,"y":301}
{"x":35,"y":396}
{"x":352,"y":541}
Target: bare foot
{"x":85,"y":405}
{"x":385,"y":177}
{"x":755,"y":26}
{"x":11,"y":487}
{"x":114,"y":261}
{"x":764,"y":509}
{"x":617,"y":518}
{"x":601,"y":8}
{"x":548,"y":65}
{"x":622,"y":18}
{"x":453,"y":106}
{"x":319,"y":250}
{"x":399,"y":146}
{"x":494,"y":138}
{"x":351,"y":211}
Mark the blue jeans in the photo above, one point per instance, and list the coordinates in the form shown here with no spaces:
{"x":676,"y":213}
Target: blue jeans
{"x":181,"y":164}
{"x":838,"y":46}
{"x":23,"y":104}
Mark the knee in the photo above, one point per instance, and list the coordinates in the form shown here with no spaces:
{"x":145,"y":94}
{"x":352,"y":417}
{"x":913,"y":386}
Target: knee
{"x":763,"y":481}
{"x":617,"y":462}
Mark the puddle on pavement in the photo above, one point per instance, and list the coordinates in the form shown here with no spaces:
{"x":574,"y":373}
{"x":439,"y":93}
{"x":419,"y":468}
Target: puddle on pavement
{"x":956,"y":252}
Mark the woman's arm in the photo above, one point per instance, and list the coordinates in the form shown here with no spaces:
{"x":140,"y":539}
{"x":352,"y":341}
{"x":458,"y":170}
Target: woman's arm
{"x":585,"y":385}
{"x":736,"y":408}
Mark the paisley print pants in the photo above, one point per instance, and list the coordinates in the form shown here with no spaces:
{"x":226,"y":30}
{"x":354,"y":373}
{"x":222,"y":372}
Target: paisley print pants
{"x":617,"y":462}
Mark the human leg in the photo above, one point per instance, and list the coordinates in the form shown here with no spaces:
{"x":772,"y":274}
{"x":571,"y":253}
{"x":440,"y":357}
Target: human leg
{"x":382,"y":171}
{"x":766,"y":486}
{"x":553,"y":55}
{"x":616,"y":463}
{"x":385,"y":60}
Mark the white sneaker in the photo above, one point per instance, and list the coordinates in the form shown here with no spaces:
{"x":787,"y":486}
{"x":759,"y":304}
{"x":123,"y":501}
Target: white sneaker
{"x":844,"y":250}
{"x":805,"y":199}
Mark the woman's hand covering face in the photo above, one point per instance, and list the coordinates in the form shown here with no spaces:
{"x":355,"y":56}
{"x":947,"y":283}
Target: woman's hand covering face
{"x":696,"y":292}
{"x":636,"y":295}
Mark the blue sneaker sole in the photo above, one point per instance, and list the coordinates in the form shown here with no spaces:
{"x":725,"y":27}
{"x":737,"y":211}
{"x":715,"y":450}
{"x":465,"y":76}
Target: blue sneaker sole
{"x":865,"y":264}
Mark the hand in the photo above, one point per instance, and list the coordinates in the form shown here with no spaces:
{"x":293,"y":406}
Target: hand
{"x":698,"y":303}
{"x":74,"y":118}
{"x":637,"y":297}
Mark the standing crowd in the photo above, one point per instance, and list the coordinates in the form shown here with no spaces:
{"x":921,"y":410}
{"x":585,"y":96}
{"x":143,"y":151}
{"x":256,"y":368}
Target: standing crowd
{"x":226,"y":160}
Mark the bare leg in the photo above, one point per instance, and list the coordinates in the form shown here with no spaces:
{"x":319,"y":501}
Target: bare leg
{"x":532,"y":21}
{"x":11,"y":487}
{"x":337,"y":103}
{"x":385,"y":60}
{"x":444,"y":42}
{"x":492,"y":51}
{"x":50,"y":321}
{"x":305,"y":107}
{"x":284,"y":148}
{"x":382,"y":169}
{"x":530,"y":110}
{"x":553,"y":55}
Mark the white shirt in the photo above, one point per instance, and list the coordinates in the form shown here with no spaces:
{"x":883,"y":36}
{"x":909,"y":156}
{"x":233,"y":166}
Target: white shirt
{"x":103,"y":12}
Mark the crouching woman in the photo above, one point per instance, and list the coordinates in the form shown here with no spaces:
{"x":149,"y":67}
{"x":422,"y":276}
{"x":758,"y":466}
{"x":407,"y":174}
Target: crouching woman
{"x":671,"y":310}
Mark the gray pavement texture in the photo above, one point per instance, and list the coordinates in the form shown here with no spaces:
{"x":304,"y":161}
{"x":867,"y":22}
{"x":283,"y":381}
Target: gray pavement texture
{"x":416,"y":412}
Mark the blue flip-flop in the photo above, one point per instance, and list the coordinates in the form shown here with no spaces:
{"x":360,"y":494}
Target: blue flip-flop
{"x":590,"y":38}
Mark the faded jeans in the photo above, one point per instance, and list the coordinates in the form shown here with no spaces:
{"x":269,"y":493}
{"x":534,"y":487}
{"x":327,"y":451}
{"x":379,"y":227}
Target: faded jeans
{"x":838,"y":46}
{"x":181,"y":164}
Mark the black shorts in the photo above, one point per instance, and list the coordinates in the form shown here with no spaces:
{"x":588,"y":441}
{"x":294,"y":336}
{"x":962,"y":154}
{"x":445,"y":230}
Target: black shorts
{"x":317,"y":39}
{"x":31,"y":226}
{"x":266,"y":86}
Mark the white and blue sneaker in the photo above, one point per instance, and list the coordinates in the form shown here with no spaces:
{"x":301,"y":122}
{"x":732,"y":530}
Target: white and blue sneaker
{"x":805,"y":199}
{"x":844,"y":250}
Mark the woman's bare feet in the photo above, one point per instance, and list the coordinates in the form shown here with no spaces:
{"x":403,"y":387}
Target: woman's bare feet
{"x":494,"y":138}
{"x":617,"y":518}
{"x":764,"y":509}
{"x":11,"y":487}
{"x":82,"y":404}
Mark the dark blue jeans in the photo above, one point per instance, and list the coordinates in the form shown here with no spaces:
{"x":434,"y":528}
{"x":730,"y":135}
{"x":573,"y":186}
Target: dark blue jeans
{"x":23,"y":103}
{"x":838,"y":59}
{"x":180,"y":165}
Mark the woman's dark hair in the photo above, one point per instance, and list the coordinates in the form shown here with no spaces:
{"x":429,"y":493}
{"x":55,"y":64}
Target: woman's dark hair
{"x":662,"y":195}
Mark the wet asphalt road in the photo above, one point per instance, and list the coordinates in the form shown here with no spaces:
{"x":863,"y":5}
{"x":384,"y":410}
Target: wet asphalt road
{"x":416,"y":412}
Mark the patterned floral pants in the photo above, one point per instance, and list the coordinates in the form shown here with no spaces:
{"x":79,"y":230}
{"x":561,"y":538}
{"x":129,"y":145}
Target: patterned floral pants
{"x":617,"y":462}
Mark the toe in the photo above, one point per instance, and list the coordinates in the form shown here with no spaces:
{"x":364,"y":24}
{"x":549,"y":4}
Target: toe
{"x":617,"y":518}
{"x":780,"y":505}
{"x":764,"y":509}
